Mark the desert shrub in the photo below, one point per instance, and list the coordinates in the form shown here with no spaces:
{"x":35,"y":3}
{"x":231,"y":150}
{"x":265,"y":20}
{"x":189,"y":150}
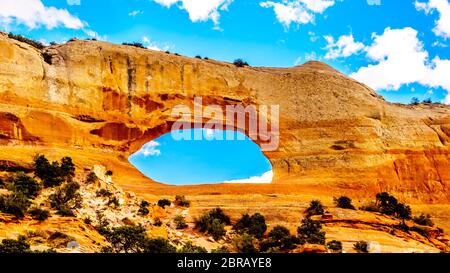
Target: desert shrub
{"x":104,"y":193}
{"x":59,"y":239}
{"x":389,"y":205}
{"x":245,"y":244}
{"x":2,"y":183}
{"x":240,"y":63}
{"x":143,"y":208}
{"x":127,"y":239}
{"x":206,"y":58}
{"x":221,"y":250}
{"x":279,"y":238}
{"x":164,"y":202}
{"x":427,"y":101}
{"x":344,"y":202}
{"x":157,"y":222}
{"x":424,"y":220}
{"x":29,"y":41}
{"x":158,"y":246}
{"x":198,"y":57}
{"x":422,"y":231}
{"x":15,"y":204}
{"x":415,"y":101}
{"x":54,"y":174}
{"x":361,"y":247}
{"x":180,"y":222}
{"x":39,"y":214}
{"x":315,"y":208}
{"x":15,"y":246}
{"x":91,"y":178}
{"x":87,"y":221}
{"x":109,"y":173}
{"x":214,"y":223}
{"x":103,"y":224}
{"x":113,"y":201}
{"x":181,"y":201}
{"x":135,"y":44}
{"x":335,"y":246}
{"x":66,"y":199}
{"x":190,"y":248}
{"x":24,"y":184}
{"x":311,"y":232}
{"x":254,"y":225}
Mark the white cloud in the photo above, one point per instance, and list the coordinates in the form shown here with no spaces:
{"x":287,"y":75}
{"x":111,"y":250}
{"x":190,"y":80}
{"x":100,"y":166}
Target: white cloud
{"x":200,"y":10}
{"x":73,"y":2}
{"x":443,"y":8}
{"x":34,"y":14}
{"x":266,"y":178}
{"x":148,"y":43}
{"x":150,"y":149}
{"x":345,"y":46}
{"x":401,"y":59}
{"x":134,"y":13}
{"x":297,"y":11}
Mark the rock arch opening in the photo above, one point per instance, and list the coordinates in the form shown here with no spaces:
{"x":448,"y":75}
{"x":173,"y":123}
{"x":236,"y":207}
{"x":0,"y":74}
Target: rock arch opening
{"x":201,"y":156}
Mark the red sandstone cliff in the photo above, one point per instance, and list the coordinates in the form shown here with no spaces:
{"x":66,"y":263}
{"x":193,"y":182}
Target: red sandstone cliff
{"x":101,"y":102}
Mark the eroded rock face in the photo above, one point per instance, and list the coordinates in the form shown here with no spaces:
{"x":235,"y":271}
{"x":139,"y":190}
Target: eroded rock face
{"x":335,"y":132}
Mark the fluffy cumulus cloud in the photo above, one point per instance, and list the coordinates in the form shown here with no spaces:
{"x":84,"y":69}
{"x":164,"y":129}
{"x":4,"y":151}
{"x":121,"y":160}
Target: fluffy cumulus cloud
{"x":442,"y":7}
{"x":34,"y":14}
{"x":266,"y":178}
{"x":399,"y":58}
{"x":345,"y":46}
{"x":150,"y":149}
{"x":200,"y":10}
{"x":297,"y":11}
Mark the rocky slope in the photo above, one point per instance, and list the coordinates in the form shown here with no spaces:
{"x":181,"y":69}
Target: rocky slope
{"x":99,"y":102}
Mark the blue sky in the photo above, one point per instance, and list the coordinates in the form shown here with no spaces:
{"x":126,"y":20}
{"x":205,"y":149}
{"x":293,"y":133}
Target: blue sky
{"x":205,"y":161}
{"x":398,"y":47}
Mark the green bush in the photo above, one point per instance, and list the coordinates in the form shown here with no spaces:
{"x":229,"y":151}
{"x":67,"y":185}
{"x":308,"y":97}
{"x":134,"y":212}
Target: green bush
{"x":254,"y":225}
{"x":39,"y":214}
{"x":214,"y":223}
{"x":221,"y":250}
{"x":143,"y":208}
{"x":180,"y":200}
{"x":104,"y":193}
{"x":344,"y":202}
{"x":15,"y":246}
{"x":279,"y":238}
{"x":158,"y":246}
{"x":180,"y":222}
{"x":54,"y":174}
{"x":15,"y":204}
{"x":127,"y":239}
{"x":66,"y":199}
{"x":24,"y":184}
{"x":311,"y":232}
{"x":164,"y":202}
{"x":190,"y":248}
{"x":423,"y":220}
{"x":103,"y":224}
{"x":361,"y":247}
{"x":334,"y":245}
{"x":315,"y":208}
{"x":389,"y":205}
{"x":135,"y":44}
{"x":29,"y":41}
{"x":245,"y":244}
{"x":91,"y":178}
{"x":240,"y":63}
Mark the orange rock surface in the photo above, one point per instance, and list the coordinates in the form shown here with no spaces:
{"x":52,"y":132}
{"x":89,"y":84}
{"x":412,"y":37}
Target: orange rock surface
{"x":100,"y":102}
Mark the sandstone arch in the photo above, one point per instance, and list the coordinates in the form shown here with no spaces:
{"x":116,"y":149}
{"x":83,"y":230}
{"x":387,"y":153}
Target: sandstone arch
{"x":336,"y":134}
